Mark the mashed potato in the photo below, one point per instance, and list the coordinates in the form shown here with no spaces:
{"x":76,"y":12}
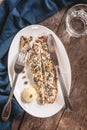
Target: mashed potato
{"x":28,"y":95}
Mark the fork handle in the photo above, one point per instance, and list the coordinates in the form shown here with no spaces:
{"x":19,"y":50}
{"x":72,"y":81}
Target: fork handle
{"x":68,"y":104}
{"x":7,"y":108}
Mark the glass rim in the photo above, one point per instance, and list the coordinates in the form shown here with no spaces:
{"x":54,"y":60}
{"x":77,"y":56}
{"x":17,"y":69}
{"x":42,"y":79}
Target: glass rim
{"x":69,"y":28}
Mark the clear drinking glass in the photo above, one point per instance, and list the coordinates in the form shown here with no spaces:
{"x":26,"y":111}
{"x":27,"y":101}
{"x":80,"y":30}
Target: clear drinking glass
{"x":76,"y":20}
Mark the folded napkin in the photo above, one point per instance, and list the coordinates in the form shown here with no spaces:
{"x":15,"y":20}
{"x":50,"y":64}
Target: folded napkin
{"x":15,"y":15}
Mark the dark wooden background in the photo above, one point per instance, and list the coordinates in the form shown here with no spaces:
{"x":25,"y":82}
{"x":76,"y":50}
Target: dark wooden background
{"x":77,"y":52}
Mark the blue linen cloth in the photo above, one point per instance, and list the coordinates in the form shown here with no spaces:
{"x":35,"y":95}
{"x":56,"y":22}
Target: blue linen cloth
{"x":15,"y":15}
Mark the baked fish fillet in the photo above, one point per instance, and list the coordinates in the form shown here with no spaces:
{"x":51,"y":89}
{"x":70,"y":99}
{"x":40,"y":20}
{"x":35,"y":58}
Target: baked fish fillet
{"x":43,"y":71}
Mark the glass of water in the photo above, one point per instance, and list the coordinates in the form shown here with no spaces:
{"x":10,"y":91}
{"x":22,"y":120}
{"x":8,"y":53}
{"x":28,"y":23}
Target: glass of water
{"x":76,"y":20}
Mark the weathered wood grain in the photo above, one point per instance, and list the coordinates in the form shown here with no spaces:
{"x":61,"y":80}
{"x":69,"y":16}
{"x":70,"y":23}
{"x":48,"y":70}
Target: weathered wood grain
{"x":32,"y":123}
{"x":77,"y":52}
{"x":17,"y":122}
{"x":54,"y":21}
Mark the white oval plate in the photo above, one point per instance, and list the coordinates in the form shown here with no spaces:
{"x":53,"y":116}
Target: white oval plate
{"x":34,"y":108}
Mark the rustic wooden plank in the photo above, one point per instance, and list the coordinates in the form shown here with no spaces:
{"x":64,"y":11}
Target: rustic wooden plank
{"x":54,"y":21}
{"x":51,"y":122}
{"x":78,"y":118}
{"x":32,"y":123}
{"x":17,"y":122}
{"x":77,"y":52}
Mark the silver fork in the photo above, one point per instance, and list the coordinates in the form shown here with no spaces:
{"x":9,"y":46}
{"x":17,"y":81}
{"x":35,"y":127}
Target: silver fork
{"x":18,"y":67}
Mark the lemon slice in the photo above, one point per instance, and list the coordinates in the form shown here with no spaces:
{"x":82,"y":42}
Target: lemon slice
{"x":28,"y":95}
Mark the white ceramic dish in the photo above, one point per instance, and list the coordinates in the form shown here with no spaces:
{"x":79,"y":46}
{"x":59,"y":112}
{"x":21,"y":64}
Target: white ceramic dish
{"x":34,"y":108}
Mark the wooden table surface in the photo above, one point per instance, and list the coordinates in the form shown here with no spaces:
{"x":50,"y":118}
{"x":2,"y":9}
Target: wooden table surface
{"x":77,"y":52}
